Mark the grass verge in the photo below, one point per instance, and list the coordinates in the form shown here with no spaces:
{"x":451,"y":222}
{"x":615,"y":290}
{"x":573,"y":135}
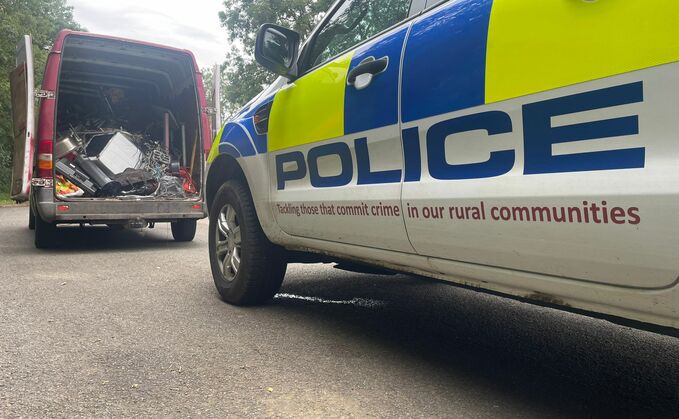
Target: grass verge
{"x":4,"y":199}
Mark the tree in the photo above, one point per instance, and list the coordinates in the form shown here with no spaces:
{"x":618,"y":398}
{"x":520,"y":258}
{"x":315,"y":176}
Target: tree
{"x":242,"y":77}
{"x":42,"y":19}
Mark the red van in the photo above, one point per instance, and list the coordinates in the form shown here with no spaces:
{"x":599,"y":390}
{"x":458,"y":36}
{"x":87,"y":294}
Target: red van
{"x":120,"y":137}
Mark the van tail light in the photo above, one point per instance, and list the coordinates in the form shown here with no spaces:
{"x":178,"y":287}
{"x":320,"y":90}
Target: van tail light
{"x":45,"y":159}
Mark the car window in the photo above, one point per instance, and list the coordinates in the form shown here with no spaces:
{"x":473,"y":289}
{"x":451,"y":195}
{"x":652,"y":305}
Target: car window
{"x":354,"y":22}
{"x":417,"y":6}
{"x":432,"y":3}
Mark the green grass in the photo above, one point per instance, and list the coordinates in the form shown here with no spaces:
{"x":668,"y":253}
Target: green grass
{"x":4,"y":199}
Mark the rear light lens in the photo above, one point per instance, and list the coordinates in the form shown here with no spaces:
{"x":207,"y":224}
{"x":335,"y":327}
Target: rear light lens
{"x":45,"y":159}
{"x":45,"y":162}
{"x":197,"y":206}
{"x":63,"y":208}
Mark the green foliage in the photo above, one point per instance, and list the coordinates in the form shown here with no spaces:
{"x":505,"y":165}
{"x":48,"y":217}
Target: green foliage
{"x":354,"y":22}
{"x":42,"y":19}
{"x":4,"y":198}
{"x":227,"y":107}
{"x":242,"y":77}
{"x":5,"y":166}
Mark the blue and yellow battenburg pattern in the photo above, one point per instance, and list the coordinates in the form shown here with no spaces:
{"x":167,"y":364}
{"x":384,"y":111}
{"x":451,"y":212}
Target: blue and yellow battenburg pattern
{"x":466,"y":53}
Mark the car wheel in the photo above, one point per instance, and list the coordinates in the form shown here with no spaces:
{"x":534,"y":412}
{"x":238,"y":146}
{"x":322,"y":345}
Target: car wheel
{"x":45,"y":233}
{"x":184,"y":230}
{"x":247,"y":268}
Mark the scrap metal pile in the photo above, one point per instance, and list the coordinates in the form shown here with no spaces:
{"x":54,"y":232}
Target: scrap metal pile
{"x":112,"y":163}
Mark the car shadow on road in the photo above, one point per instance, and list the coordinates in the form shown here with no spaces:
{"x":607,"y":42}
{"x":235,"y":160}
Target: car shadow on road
{"x":567,"y":363}
{"x":101,"y":238}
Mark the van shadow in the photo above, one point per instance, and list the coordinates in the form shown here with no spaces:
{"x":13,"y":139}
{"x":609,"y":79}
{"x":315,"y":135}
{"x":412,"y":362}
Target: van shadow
{"x":571,"y":364}
{"x":101,"y":238}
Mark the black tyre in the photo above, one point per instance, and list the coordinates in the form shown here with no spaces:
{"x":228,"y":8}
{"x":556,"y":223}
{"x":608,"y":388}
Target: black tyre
{"x":31,"y":218}
{"x":184,"y":230}
{"x":247,"y":268}
{"x":45,"y":233}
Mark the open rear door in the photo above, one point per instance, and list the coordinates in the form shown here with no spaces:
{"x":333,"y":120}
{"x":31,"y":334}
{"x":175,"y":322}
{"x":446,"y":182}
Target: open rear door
{"x":23,"y":119}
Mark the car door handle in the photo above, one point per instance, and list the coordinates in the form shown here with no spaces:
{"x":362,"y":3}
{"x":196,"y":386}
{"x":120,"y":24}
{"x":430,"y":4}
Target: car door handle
{"x":362,"y":75}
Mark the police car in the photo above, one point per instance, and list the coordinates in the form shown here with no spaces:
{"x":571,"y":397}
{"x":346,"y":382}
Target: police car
{"x":521,"y":147}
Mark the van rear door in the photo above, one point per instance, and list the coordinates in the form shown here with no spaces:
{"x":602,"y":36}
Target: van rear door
{"x":23,"y":119}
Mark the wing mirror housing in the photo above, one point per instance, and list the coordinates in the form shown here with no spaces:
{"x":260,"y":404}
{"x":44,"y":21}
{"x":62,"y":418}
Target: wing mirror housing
{"x":276,"y":49}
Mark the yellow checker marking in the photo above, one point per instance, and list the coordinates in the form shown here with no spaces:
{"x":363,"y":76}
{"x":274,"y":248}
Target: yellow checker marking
{"x":538,"y":45}
{"x":310,"y":109}
{"x":214,"y":150}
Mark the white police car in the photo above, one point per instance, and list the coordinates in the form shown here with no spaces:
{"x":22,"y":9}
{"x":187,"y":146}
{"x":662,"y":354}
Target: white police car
{"x":528,"y":148}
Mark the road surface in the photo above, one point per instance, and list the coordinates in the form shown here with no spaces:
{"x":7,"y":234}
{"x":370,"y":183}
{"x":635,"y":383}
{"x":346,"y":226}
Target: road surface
{"x":129,"y":324}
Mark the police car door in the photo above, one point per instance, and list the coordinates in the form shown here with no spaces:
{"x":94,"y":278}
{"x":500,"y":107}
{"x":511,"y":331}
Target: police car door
{"x":547,"y":135}
{"x":23,"y":116}
{"x":334,"y":140}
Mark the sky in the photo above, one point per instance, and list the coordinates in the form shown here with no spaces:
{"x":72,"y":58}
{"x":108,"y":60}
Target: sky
{"x":193,"y":24}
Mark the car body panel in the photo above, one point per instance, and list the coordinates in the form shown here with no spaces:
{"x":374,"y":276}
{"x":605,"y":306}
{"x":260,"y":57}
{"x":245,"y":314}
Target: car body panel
{"x":538,"y":46}
{"x":365,"y":128}
{"x":494,"y":115}
{"x":538,"y":222}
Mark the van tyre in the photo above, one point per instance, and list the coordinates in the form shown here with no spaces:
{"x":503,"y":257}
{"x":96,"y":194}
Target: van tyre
{"x":184,"y":230}
{"x":31,"y":218}
{"x":45,"y":233}
{"x":246,"y":267}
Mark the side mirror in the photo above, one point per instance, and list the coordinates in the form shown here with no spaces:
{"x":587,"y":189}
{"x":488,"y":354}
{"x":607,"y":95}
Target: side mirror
{"x":276,"y":49}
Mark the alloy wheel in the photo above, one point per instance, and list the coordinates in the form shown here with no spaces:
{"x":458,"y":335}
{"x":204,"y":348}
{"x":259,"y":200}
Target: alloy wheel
{"x":228,"y":243}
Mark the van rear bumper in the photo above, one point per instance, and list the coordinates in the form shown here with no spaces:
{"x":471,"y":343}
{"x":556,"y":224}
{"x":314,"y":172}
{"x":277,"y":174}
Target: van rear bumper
{"x":113,"y":211}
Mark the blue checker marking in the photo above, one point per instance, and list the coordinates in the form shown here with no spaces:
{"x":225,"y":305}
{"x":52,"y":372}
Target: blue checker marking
{"x":377,"y":105}
{"x":237,"y":138}
{"x":444,"y":67}
{"x":259,"y":140}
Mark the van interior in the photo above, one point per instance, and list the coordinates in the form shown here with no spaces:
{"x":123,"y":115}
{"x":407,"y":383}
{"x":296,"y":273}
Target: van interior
{"x":127,"y":122}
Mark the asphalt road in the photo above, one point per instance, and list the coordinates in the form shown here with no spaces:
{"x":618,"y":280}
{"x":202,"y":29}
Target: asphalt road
{"x":129,"y":324}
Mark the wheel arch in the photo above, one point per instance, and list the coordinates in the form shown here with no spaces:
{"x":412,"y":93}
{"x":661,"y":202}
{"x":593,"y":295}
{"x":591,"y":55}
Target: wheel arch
{"x":222,"y":169}
{"x":253,"y":173}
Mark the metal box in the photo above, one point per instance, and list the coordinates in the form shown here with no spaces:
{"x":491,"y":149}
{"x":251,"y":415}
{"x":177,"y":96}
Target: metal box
{"x":114,"y":152}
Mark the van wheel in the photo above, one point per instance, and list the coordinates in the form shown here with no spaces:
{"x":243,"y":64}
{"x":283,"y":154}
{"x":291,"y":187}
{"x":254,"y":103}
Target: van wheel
{"x":246,"y":267}
{"x":45,"y":233}
{"x":31,"y":218}
{"x":184,"y":230}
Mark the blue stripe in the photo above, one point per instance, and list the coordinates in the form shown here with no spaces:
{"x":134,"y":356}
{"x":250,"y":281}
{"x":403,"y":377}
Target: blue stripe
{"x":259,"y":140}
{"x":225,"y":148}
{"x":377,"y":105}
{"x":234,"y":135}
{"x":444,"y":66}
{"x":412,"y":154}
